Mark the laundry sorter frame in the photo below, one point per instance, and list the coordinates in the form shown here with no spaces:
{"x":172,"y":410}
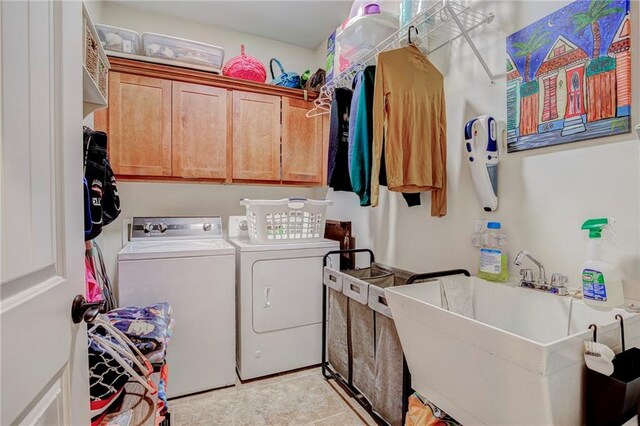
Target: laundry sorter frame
{"x":347,"y":383}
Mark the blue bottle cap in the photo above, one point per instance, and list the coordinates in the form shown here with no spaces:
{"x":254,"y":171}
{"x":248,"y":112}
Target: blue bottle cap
{"x":494,"y":225}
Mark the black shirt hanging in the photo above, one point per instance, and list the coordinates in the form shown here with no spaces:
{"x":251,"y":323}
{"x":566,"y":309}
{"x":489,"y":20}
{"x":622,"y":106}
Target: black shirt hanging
{"x":104,"y":201}
{"x":338,"y":167}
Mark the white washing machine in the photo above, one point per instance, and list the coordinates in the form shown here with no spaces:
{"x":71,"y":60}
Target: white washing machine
{"x":279,"y":303}
{"x":184,"y":261}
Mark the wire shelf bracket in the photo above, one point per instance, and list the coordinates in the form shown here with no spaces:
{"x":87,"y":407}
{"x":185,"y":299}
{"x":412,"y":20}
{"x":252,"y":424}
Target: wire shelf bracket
{"x":439,"y":25}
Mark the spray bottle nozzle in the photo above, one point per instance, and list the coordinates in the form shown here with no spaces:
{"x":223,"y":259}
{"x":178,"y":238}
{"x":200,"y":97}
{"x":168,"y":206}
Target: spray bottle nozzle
{"x":595,"y":226}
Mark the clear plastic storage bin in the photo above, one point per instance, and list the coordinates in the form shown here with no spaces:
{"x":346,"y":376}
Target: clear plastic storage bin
{"x":119,"y":39}
{"x":364,"y":33}
{"x":290,"y":220}
{"x":182,"y":50}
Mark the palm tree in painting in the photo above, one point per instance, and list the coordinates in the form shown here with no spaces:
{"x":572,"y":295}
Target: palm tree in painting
{"x":598,"y":9}
{"x":526,"y":48}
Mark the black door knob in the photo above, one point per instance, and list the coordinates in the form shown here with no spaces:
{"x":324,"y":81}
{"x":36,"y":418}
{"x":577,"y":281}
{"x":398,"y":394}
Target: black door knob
{"x":83,"y":310}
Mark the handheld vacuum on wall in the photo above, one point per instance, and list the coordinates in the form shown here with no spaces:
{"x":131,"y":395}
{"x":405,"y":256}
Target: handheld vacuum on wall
{"x":484,"y":138}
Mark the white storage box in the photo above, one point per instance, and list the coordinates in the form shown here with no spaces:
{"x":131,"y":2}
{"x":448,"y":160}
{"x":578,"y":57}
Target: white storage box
{"x":119,"y":39}
{"x":290,"y":220}
{"x":364,"y":33}
{"x":182,"y":50}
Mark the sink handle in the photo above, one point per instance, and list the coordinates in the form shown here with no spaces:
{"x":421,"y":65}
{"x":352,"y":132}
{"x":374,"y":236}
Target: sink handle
{"x":559,"y":280}
{"x":526,"y":274}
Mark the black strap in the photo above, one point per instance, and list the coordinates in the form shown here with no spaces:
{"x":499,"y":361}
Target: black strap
{"x":273,"y":77}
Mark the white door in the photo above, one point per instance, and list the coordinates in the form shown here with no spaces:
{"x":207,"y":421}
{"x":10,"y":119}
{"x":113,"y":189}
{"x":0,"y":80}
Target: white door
{"x":43,"y":355}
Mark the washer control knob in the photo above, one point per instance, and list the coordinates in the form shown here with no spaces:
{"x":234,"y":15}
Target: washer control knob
{"x":206,"y":226}
{"x":147,"y":227}
{"x":162,"y":227}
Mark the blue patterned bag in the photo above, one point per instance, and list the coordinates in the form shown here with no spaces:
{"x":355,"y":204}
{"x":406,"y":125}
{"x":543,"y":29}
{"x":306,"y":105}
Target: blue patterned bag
{"x":285,"y":79}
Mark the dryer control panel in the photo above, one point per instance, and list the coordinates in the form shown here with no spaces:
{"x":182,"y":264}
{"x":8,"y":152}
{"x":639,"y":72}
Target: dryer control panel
{"x":176,"y":227}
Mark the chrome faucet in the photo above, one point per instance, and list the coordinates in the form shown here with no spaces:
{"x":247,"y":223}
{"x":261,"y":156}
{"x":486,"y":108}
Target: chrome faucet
{"x":542,"y":277}
{"x":558,"y":281}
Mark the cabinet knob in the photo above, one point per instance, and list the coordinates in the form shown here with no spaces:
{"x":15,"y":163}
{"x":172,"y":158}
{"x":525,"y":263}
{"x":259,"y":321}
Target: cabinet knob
{"x":206,"y":226}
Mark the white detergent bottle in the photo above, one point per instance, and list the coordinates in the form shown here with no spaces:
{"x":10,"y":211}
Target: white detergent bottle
{"x":601,"y":281}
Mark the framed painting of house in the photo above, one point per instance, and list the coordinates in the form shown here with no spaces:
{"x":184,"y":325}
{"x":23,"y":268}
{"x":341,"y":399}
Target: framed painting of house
{"x":569,"y":76}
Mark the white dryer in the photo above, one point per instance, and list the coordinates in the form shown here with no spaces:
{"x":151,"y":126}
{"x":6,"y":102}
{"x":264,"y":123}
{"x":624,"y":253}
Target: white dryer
{"x":184,"y":261}
{"x":279,"y":303}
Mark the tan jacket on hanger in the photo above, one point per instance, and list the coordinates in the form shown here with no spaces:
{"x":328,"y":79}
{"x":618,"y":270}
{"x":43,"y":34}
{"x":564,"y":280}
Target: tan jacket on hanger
{"x":409,"y":115}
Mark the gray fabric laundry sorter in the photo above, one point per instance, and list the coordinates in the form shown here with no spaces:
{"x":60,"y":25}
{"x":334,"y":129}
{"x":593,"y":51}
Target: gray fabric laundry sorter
{"x":374,"y":359}
{"x":387,"y":399}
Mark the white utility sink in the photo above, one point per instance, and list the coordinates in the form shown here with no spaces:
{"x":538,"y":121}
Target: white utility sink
{"x":510,"y":360}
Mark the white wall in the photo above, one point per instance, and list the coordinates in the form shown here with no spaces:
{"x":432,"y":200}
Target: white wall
{"x":293,"y":58}
{"x":545,"y":194}
{"x":94,"y":8}
{"x":321,"y":55}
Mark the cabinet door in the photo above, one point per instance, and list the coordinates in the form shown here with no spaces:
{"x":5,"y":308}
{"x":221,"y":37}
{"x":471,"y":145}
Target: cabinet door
{"x":200,"y":131}
{"x":301,"y":143}
{"x":139,"y":125}
{"x":256,"y":137}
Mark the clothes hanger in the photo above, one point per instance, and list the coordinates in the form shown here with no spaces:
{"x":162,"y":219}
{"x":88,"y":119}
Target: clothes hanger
{"x":322,"y":104}
{"x":412,"y":27}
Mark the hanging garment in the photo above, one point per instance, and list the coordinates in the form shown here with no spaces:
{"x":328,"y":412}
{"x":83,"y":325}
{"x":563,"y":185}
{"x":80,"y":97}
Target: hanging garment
{"x":96,"y":259}
{"x":88,"y":225}
{"x":409,"y":123}
{"x":353,"y":114}
{"x":92,"y":288}
{"x":412,"y":199}
{"x":110,"y":197}
{"x":338,"y":167}
{"x":361,"y":139}
{"x":359,"y":161}
{"x":95,"y":175}
{"x":104,"y":198}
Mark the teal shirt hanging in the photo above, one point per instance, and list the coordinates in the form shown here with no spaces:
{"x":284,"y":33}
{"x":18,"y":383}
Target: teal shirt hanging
{"x":360,"y":148}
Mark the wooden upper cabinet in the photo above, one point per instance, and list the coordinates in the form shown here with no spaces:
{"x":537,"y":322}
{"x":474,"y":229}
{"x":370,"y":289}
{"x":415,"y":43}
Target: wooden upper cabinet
{"x":302,"y":147}
{"x":174,"y":123}
{"x":139,"y":125}
{"x":201,"y":131}
{"x":256,"y":137}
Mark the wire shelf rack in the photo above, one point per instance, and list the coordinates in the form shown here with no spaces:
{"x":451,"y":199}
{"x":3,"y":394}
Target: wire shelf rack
{"x":441,"y":23}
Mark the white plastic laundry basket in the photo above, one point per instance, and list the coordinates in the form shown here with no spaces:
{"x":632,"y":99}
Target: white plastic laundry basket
{"x":289,"y":220}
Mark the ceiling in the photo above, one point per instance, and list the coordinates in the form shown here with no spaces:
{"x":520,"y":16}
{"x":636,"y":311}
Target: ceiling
{"x":305,"y":23}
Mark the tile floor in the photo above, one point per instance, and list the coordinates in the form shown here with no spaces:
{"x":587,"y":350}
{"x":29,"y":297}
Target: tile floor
{"x":302,"y":397}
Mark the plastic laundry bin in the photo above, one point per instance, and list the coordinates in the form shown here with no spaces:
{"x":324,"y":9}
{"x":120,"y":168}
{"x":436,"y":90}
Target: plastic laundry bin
{"x":290,"y":220}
